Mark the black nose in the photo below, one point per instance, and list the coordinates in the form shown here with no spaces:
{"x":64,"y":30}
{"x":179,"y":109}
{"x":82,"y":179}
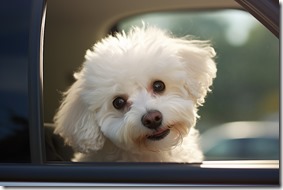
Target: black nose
{"x":152,"y":119}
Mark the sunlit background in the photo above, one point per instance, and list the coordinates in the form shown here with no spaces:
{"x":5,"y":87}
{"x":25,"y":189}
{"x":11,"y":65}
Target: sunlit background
{"x":247,"y":85}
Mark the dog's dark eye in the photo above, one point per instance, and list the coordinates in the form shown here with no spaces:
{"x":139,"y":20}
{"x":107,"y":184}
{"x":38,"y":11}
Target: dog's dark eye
{"x":158,"y":86}
{"x":119,"y":103}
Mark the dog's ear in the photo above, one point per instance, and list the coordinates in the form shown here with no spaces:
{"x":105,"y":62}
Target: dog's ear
{"x":198,"y":58}
{"x":76,"y":123}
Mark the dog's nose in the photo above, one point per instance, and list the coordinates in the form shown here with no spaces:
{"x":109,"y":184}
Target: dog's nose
{"x":152,"y":119}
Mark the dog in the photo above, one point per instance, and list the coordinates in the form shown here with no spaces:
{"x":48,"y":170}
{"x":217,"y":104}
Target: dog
{"x":136,"y":98}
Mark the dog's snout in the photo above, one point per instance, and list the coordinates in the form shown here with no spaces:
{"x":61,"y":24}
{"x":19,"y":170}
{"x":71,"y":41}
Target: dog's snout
{"x":152,"y":119}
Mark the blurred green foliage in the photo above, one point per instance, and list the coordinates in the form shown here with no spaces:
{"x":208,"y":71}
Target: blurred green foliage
{"x":247,"y":83}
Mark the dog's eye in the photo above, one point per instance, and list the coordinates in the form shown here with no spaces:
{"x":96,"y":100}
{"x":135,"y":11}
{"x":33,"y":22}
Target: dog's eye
{"x":119,"y":103}
{"x":158,"y":86}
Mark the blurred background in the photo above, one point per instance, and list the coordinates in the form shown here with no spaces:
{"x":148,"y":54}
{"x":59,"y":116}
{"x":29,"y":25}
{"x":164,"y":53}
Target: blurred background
{"x":247,"y":82}
{"x":240,"y":119}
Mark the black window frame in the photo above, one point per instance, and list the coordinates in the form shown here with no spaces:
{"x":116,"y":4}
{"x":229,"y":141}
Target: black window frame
{"x":41,"y":173}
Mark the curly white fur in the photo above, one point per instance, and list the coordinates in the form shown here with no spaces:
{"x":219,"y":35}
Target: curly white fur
{"x":126,"y":65}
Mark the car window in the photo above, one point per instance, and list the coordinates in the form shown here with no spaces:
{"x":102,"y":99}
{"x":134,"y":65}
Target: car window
{"x":246,"y":87}
{"x":14,"y":131}
{"x":247,"y":84}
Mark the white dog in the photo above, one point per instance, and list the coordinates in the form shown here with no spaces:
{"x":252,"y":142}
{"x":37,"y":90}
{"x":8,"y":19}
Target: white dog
{"x":136,"y":98}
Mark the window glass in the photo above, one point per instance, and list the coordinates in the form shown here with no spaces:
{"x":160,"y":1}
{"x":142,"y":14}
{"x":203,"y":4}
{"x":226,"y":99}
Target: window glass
{"x":247,"y":84}
{"x":14,"y":31}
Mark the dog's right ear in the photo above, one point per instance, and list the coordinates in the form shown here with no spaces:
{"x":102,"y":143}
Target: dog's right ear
{"x":198,"y":58}
{"x":76,"y":123}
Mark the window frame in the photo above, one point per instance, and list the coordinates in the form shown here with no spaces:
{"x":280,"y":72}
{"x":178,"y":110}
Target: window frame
{"x":215,"y":173}
{"x":40,"y":173}
{"x":267,"y":12}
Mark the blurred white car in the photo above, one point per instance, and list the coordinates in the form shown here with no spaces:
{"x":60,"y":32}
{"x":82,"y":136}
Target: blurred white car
{"x":243,"y":140}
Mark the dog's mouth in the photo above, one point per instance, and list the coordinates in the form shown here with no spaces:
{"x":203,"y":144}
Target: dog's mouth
{"x":158,"y":135}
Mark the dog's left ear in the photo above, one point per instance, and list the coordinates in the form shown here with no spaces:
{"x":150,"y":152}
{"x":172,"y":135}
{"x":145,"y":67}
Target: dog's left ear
{"x":197,"y":57}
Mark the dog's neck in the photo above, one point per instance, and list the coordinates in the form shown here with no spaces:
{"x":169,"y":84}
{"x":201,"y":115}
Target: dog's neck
{"x":111,"y":153}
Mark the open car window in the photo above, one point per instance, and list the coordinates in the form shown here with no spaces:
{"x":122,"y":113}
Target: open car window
{"x":245,"y":93}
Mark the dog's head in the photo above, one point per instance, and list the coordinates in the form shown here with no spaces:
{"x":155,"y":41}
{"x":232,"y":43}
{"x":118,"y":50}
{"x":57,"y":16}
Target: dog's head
{"x":140,"y":91}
